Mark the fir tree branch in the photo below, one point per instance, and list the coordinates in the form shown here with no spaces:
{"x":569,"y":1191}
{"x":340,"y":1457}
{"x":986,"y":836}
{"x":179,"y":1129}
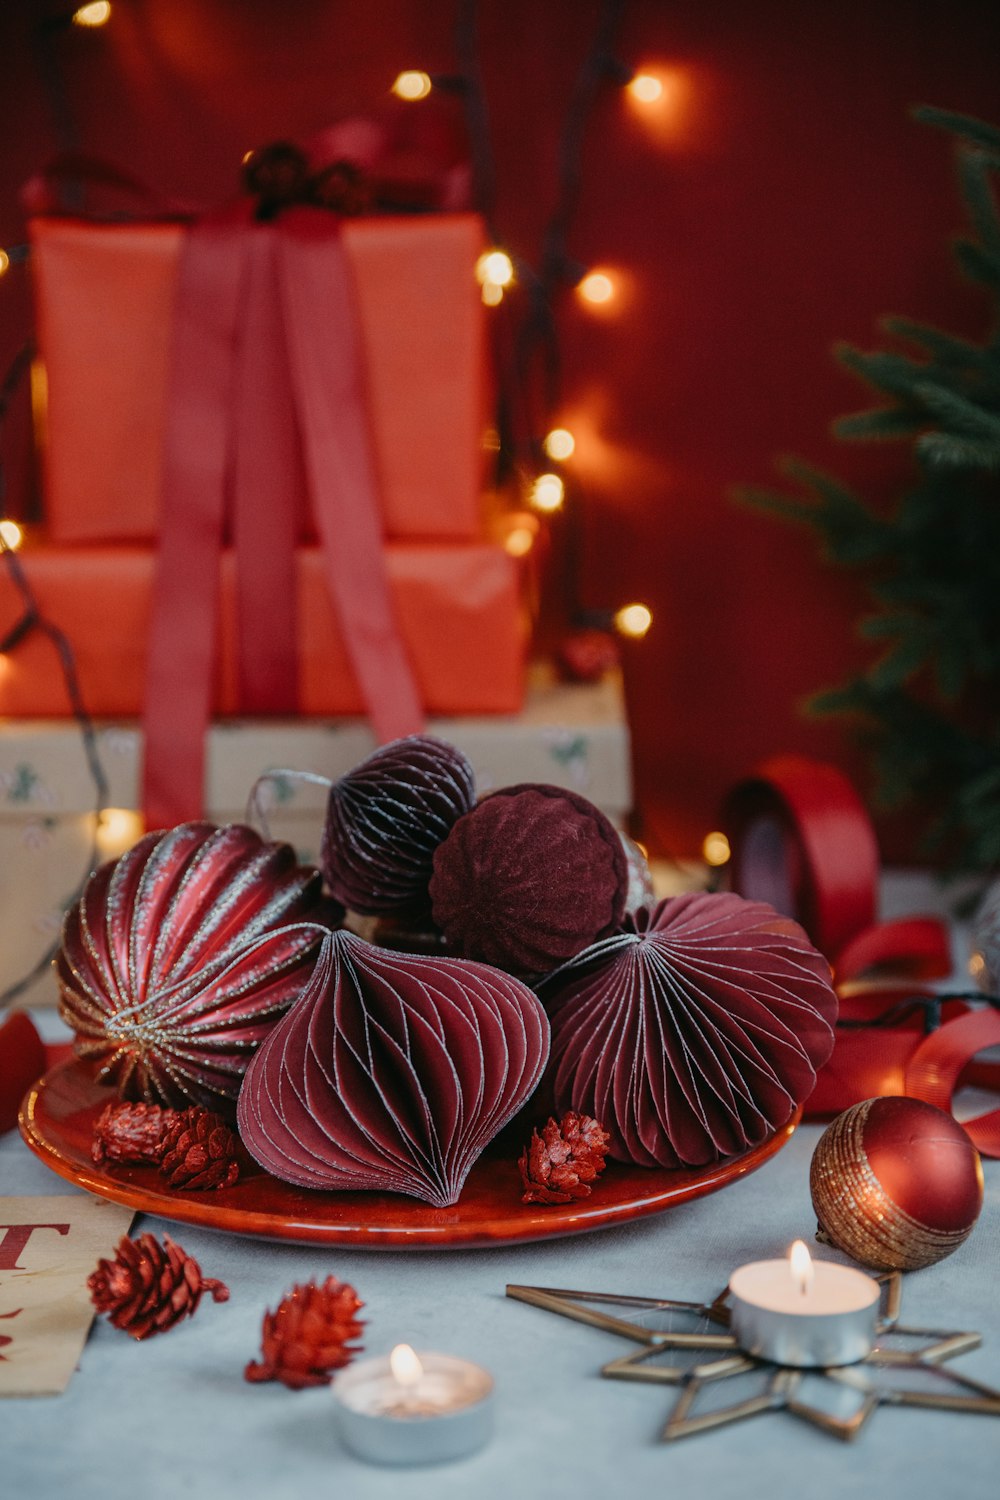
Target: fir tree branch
{"x":965,"y":126}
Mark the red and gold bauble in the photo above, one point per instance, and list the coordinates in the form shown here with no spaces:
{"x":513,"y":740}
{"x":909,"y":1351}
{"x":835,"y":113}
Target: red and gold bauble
{"x":896,"y":1183}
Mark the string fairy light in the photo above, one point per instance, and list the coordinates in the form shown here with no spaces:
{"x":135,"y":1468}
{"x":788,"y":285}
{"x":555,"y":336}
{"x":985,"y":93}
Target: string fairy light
{"x":548,"y":493}
{"x":559,"y":444}
{"x":31,"y":620}
{"x":645,"y":87}
{"x":633,"y":620}
{"x":715,"y":850}
{"x":596,"y":287}
{"x":412,"y":85}
{"x":97,"y":13}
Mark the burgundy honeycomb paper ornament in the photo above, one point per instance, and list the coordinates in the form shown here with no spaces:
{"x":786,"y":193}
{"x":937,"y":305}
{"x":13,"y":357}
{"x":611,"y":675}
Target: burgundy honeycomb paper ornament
{"x":392,"y":1073}
{"x":179,"y":957}
{"x":694,"y":1033}
{"x":529,"y":877}
{"x":385,"y":819}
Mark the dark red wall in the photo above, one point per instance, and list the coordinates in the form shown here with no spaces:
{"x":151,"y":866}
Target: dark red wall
{"x":785,"y":201}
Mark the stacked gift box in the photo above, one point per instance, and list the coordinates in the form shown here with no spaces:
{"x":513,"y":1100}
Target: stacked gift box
{"x":105,"y":296}
{"x":107,"y":311}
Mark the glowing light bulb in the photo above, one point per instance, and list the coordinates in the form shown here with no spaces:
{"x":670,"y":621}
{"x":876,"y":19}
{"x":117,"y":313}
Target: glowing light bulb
{"x":596,"y":288}
{"x":559,"y":443}
{"x":492,"y":294}
{"x":405,"y":1365}
{"x":519,"y":541}
{"x":11,"y":535}
{"x":412,"y":85}
{"x":118,"y":829}
{"x":547,"y":493}
{"x":633,"y":620}
{"x":495,"y":266}
{"x":646,"y":88}
{"x":715,"y":849}
{"x":801,"y":1265}
{"x":4,"y":261}
{"x":95,"y":14}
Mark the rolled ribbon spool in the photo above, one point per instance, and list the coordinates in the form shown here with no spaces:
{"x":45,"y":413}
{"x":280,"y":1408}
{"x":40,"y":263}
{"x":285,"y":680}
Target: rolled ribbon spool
{"x":802,"y":841}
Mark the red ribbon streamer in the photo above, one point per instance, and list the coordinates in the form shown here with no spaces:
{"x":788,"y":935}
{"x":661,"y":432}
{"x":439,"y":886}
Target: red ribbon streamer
{"x":22,"y":1060}
{"x":799,"y":833}
{"x":802,"y":840}
{"x":264,"y":340}
{"x":941,"y":1061}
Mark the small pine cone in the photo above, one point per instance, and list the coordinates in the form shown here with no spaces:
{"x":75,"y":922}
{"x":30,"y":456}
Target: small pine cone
{"x":130,"y":1133}
{"x":560,"y":1164}
{"x":308,"y":1337}
{"x":199,"y":1150}
{"x":149,"y":1287}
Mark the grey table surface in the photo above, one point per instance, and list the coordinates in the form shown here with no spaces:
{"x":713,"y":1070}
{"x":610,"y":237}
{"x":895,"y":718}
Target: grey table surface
{"x":174,"y":1417}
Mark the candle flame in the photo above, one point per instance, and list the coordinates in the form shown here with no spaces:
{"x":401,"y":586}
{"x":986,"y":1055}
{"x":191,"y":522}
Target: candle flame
{"x":801,"y":1266}
{"x":405,"y":1365}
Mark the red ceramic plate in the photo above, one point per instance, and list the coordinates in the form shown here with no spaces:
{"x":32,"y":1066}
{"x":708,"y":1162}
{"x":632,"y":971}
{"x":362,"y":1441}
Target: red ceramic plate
{"x":57,"y":1121}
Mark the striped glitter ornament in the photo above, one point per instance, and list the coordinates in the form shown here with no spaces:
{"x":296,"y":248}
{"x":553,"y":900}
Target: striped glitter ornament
{"x":179,"y":957}
{"x":386,"y":818}
{"x":896,"y":1183}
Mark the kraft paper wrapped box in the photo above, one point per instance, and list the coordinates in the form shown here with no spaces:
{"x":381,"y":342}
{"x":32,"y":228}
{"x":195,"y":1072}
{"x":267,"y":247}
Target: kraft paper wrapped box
{"x":568,"y":735}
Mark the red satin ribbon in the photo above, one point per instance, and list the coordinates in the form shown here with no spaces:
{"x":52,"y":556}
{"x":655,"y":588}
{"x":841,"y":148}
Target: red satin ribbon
{"x":799,"y":833}
{"x":22,"y":1060}
{"x":802,"y":839}
{"x":910,"y":948}
{"x":265,"y":349}
{"x":943,"y":1060}
{"x":267,"y":400}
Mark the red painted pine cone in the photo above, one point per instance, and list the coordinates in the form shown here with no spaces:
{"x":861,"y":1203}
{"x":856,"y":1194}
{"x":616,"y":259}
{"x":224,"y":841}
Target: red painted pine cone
{"x":309,"y":1336}
{"x":130,"y":1133}
{"x":149,"y":1287}
{"x":199,"y":1151}
{"x":560,"y":1163}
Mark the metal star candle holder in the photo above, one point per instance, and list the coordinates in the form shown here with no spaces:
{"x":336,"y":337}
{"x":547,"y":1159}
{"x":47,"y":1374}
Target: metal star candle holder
{"x":686,"y":1345}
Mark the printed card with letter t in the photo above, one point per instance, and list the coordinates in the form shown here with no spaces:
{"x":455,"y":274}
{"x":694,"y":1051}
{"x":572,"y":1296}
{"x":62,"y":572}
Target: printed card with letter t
{"x":48,"y":1248}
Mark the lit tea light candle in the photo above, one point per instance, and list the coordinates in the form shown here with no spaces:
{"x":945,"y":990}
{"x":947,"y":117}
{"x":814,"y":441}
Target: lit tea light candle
{"x":803,"y":1312}
{"x":409,"y":1408}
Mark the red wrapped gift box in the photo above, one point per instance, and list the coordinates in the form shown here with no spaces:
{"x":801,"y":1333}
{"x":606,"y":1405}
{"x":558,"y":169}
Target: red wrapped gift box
{"x":105,"y":299}
{"x":457,"y":603}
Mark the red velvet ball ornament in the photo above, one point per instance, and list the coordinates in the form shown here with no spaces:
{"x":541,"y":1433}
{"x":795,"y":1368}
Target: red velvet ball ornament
{"x":896,"y":1183}
{"x":529,"y":877}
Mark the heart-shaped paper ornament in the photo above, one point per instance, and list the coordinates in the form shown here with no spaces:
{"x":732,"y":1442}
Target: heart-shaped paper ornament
{"x":392,"y":1073}
{"x":694,"y":1033}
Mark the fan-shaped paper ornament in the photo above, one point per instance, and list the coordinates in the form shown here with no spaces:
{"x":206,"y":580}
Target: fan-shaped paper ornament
{"x":385,"y":819}
{"x":694,"y":1033}
{"x":392,"y":1073}
{"x":179,"y":957}
{"x":529,"y":877}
